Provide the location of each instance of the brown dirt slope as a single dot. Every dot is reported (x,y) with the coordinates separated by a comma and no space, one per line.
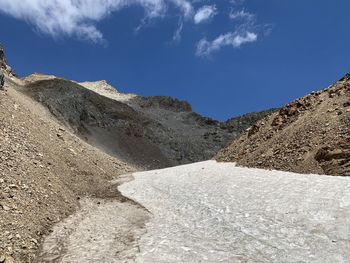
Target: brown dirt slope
(44,169)
(309,135)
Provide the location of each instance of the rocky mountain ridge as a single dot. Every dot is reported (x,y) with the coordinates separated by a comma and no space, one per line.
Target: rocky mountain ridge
(308,135)
(148,132)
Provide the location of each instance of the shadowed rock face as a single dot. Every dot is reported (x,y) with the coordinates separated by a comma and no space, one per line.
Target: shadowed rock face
(309,135)
(110,125)
(149,132)
(2,58)
(2,66)
(2,80)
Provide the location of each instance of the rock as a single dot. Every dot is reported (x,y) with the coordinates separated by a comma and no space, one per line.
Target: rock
(2,80)
(5,207)
(346,104)
(9,259)
(252,130)
(6,259)
(2,58)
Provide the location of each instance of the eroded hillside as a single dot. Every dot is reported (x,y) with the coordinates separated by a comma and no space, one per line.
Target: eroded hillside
(309,135)
(44,169)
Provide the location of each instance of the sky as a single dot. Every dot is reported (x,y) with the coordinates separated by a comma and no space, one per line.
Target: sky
(225,57)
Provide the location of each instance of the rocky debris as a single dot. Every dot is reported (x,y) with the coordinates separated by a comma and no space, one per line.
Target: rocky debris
(309,135)
(335,158)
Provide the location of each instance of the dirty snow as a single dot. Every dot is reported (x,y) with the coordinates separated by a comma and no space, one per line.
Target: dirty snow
(215,212)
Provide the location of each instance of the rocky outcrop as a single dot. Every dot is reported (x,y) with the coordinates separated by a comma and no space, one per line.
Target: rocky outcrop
(308,135)
(241,123)
(2,58)
(2,67)
(335,159)
(166,103)
(2,80)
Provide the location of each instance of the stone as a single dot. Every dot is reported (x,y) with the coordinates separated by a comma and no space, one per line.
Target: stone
(9,259)
(2,80)
(5,207)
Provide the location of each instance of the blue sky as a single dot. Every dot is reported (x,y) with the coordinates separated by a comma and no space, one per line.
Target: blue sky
(225,57)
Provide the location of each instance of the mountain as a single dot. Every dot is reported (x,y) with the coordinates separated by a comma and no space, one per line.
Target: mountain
(309,135)
(147,132)
(61,141)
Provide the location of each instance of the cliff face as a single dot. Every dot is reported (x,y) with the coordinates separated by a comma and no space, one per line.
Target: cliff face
(309,135)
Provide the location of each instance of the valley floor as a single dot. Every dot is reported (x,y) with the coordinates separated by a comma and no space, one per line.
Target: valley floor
(212,212)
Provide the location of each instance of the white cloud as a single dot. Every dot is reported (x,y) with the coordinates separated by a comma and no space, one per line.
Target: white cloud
(242,15)
(234,39)
(205,13)
(78,17)
(237,2)
(177,35)
(246,31)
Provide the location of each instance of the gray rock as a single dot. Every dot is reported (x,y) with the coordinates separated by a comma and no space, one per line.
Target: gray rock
(2,80)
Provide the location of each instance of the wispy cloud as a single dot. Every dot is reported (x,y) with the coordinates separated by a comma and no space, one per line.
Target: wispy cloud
(246,30)
(205,13)
(78,17)
(177,34)
(242,15)
(237,2)
(234,39)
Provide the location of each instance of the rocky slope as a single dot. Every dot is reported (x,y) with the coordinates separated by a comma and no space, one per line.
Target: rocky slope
(309,135)
(148,132)
(44,169)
